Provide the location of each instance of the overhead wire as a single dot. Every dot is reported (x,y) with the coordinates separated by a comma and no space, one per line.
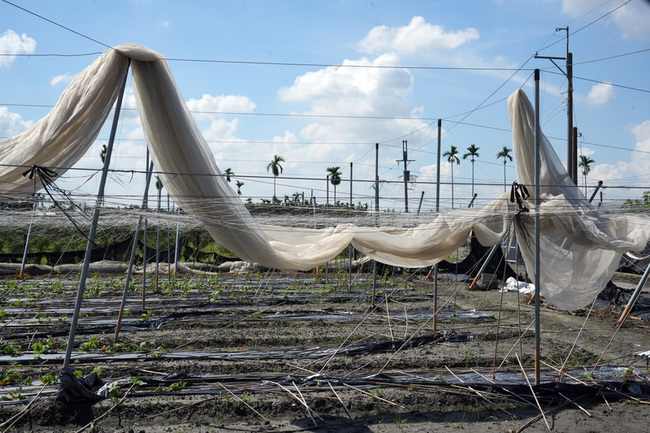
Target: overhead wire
(57,24)
(385,142)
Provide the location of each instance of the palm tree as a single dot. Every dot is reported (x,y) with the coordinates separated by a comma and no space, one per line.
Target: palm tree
(228,172)
(585,162)
(505,154)
(472,151)
(335,178)
(275,168)
(452,156)
(239,184)
(102,154)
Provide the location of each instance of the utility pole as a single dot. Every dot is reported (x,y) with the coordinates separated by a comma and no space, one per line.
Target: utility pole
(327,186)
(377,178)
(351,205)
(407,173)
(572,144)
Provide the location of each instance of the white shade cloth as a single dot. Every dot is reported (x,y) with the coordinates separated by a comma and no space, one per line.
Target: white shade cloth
(580,248)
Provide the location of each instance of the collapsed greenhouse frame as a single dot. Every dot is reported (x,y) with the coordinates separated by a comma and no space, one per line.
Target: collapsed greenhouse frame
(594,242)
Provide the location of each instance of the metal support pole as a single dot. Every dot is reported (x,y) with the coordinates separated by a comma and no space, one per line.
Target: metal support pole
(484,265)
(351,205)
(350,268)
(633,298)
(145,252)
(438,166)
(435,267)
(129,272)
(471,203)
(420,205)
(169,253)
(158,239)
(93,227)
(600,184)
(406,174)
(537,236)
(374,281)
(377,178)
(177,243)
(313,206)
(21,274)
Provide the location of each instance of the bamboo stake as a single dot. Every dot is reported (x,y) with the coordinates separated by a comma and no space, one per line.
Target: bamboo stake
(575,404)
(239,398)
(390,329)
(373,396)
(533,392)
(496,339)
(566,374)
(31,405)
(21,273)
(538,417)
(91,424)
(342,404)
(309,411)
(576,340)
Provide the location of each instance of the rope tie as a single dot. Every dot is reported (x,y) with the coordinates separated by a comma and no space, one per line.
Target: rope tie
(518,194)
(46,176)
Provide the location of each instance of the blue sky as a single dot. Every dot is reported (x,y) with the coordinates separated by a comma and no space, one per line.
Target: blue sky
(308,80)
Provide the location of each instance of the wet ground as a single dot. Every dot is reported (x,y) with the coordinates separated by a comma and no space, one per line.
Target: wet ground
(310,352)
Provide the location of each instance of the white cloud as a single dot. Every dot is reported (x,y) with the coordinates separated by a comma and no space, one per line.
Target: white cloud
(576,8)
(209,107)
(221,129)
(642,134)
(601,93)
(12,123)
(416,38)
(164,24)
(586,151)
(356,88)
(64,78)
(632,18)
(626,172)
(12,42)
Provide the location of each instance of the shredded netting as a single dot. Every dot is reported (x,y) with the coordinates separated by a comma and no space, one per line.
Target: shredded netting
(580,247)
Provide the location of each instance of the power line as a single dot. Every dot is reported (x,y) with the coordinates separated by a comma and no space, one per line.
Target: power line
(57,24)
(49,54)
(587,25)
(613,84)
(637,89)
(616,56)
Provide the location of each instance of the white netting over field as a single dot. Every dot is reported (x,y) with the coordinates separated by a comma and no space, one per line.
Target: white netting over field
(580,247)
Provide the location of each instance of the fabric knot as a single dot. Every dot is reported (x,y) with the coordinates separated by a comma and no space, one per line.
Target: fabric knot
(518,194)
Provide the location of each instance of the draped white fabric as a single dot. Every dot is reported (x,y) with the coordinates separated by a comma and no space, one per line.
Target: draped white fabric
(580,248)
(64,135)
(193,180)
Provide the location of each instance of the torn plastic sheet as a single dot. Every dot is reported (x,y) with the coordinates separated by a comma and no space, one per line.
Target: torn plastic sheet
(315,352)
(107,325)
(513,285)
(612,382)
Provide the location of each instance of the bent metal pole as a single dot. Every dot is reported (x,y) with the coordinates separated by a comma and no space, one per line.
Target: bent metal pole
(93,227)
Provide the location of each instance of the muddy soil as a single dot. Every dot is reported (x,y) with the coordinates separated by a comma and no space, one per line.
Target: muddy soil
(302,353)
